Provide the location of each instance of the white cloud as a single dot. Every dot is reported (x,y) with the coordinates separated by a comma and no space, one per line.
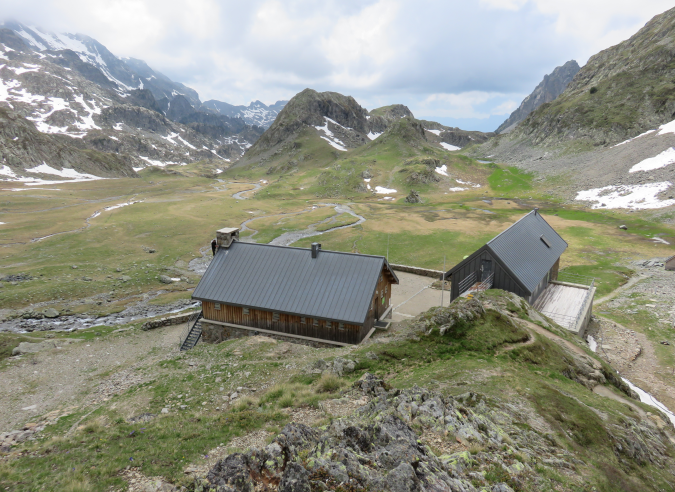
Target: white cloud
(472,104)
(379,51)
(504,4)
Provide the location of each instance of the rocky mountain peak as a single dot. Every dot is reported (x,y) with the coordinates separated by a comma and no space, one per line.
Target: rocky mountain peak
(548,90)
(621,92)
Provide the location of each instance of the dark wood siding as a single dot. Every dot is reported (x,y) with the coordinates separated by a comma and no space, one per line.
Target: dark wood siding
(539,289)
(502,278)
(286,323)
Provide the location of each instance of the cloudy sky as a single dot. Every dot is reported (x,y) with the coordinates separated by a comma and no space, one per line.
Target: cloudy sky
(464,63)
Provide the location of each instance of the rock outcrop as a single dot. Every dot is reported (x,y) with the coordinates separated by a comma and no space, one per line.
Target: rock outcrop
(548,90)
(380,448)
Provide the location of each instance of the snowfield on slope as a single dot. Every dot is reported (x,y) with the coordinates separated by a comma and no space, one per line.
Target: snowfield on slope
(636,197)
(664,159)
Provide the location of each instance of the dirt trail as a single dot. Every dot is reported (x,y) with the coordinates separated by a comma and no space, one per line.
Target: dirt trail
(619,290)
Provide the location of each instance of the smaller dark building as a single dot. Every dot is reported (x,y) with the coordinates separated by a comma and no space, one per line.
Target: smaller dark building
(670,263)
(523,259)
(292,292)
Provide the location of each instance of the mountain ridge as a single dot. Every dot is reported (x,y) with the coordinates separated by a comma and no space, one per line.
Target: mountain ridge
(547,90)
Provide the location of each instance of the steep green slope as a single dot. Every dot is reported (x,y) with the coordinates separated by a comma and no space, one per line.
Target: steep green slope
(621,92)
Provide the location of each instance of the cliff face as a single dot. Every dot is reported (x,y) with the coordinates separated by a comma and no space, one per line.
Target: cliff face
(548,90)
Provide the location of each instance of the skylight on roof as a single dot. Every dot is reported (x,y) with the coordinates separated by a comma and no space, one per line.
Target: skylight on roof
(545,241)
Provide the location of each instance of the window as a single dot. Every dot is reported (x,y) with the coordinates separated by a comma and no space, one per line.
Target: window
(275,316)
(327,324)
(316,322)
(246,311)
(216,306)
(303,320)
(341,326)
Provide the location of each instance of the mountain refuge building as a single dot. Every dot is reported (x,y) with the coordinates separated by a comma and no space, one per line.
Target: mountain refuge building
(670,263)
(294,293)
(525,259)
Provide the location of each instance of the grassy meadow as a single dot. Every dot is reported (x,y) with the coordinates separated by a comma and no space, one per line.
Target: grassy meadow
(87,250)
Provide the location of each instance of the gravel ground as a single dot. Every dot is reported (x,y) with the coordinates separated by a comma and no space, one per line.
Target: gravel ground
(631,352)
(50,380)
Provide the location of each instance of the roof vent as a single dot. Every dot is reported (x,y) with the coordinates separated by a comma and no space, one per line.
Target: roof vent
(316,247)
(545,241)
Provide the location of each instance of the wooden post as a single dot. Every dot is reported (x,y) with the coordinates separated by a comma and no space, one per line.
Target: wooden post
(443,281)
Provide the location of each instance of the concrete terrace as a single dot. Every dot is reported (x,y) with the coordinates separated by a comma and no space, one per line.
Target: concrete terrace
(567,304)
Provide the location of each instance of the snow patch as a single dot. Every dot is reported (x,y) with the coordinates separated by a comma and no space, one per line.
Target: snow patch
(63,173)
(334,143)
(31,68)
(447,146)
(160,163)
(469,183)
(636,197)
(443,170)
(457,189)
(667,128)
(435,132)
(384,191)
(634,138)
(592,344)
(7,171)
(664,159)
(373,136)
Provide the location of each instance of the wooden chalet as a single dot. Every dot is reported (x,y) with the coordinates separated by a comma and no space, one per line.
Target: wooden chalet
(310,294)
(523,259)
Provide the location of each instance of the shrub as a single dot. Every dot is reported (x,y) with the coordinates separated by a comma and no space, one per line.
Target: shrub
(594,90)
(329,383)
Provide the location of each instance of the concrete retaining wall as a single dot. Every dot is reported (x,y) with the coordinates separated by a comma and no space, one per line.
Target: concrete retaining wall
(425,272)
(171,320)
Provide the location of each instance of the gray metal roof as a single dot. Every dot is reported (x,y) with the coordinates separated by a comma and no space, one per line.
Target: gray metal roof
(335,286)
(522,250)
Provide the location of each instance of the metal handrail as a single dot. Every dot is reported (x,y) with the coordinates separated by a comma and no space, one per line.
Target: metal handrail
(484,284)
(467,282)
(192,321)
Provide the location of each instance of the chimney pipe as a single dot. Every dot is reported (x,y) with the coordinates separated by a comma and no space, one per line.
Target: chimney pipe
(316,247)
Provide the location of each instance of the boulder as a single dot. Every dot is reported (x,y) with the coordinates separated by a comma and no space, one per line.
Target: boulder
(343,366)
(165,280)
(51,313)
(413,197)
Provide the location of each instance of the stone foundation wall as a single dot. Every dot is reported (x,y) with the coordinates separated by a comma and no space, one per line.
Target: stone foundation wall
(171,320)
(425,272)
(213,333)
